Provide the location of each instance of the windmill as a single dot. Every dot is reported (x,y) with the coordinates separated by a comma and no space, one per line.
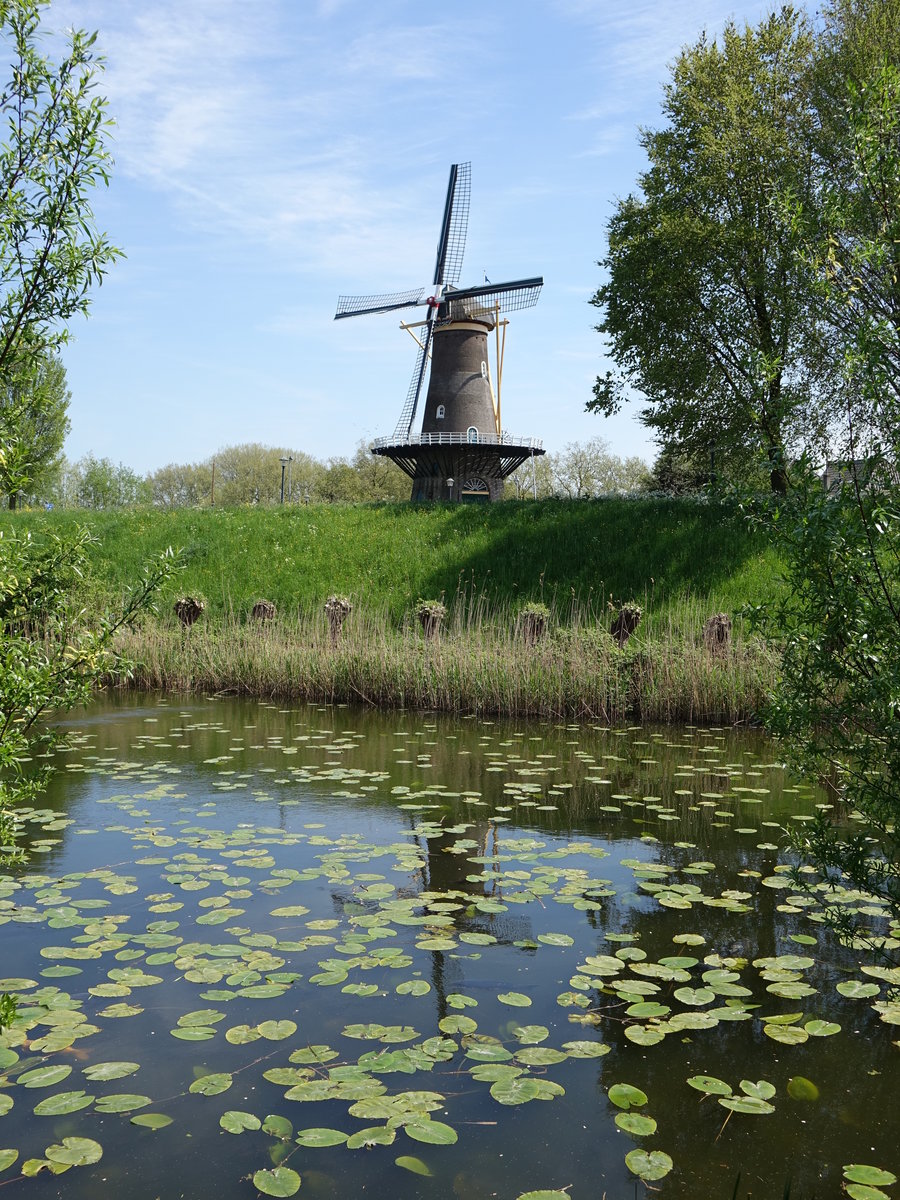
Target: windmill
(462,451)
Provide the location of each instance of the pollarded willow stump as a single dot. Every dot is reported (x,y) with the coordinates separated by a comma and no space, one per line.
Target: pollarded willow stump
(532,624)
(717,633)
(337,609)
(625,623)
(263,611)
(431,615)
(188,609)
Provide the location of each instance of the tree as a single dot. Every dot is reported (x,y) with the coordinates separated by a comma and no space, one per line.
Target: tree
(34,421)
(53,154)
(589,469)
(708,308)
(100,483)
(837,705)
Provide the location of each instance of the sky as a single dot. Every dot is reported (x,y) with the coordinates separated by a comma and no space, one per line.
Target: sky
(272,155)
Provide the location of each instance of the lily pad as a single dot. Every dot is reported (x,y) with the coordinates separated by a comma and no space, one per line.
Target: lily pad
(317,1138)
(649,1164)
(235,1121)
(872,1176)
(410,1163)
(151,1120)
(623,1095)
(75,1152)
(280,1181)
(636,1124)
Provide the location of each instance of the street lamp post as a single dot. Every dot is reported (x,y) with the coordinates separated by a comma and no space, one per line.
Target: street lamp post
(450,483)
(284,462)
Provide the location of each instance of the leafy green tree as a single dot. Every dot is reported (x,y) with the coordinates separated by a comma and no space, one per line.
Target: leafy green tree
(34,421)
(100,483)
(837,706)
(53,153)
(707,308)
(181,485)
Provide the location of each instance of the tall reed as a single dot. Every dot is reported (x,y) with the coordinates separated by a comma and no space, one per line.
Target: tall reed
(479,664)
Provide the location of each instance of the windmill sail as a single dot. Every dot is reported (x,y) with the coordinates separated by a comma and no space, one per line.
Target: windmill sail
(404,424)
(359,306)
(452,241)
(493,297)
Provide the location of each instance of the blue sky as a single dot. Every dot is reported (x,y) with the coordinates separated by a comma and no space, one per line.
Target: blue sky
(271,155)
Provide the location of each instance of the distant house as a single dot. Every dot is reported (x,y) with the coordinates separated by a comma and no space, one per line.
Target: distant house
(872,474)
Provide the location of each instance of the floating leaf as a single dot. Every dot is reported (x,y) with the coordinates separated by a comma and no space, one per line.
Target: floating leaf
(110,1070)
(316,1138)
(121,1102)
(746,1104)
(280,1181)
(872,1176)
(45,1076)
(277,1031)
(623,1095)
(75,1152)
(801,1088)
(151,1120)
(788,1035)
(435,1133)
(514,999)
(211,1085)
(410,1163)
(709,1085)
(235,1121)
(636,1124)
(376,1135)
(278,1126)
(62,1104)
(7,1158)
(649,1164)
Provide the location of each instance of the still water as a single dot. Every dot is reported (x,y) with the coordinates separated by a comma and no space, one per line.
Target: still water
(258,948)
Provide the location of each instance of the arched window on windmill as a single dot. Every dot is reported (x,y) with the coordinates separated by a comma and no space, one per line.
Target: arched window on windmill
(439,415)
(471,434)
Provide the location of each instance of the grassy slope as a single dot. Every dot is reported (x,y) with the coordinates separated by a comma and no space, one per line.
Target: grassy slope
(659,552)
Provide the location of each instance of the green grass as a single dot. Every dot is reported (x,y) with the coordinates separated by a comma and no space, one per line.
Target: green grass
(665,553)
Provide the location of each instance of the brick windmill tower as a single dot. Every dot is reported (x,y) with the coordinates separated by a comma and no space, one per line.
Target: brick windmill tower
(462,451)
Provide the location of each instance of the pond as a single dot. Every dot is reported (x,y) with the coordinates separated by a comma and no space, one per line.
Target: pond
(259,947)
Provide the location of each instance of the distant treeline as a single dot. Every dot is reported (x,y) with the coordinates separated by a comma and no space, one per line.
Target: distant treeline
(252,474)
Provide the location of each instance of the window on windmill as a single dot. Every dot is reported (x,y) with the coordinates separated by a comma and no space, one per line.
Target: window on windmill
(471,434)
(440,412)
(483,369)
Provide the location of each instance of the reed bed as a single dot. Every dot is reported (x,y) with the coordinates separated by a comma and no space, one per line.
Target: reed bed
(479,663)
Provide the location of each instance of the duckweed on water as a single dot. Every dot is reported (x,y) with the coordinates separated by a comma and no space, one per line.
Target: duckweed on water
(448,975)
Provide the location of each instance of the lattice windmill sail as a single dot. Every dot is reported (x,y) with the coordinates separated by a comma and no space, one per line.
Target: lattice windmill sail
(462,451)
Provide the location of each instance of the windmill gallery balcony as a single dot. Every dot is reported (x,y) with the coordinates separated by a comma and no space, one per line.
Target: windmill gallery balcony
(473,464)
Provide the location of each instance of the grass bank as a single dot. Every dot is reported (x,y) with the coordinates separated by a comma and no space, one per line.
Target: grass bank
(479,664)
(657,551)
(680,560)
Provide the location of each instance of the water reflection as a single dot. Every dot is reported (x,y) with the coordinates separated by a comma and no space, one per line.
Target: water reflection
(326,849)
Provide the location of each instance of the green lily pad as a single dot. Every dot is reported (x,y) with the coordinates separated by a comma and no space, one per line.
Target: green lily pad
(7,1158)
(788,1035)
(623,1095)
(110,1070)
(801,1088)
(435,1133)
(747,1104)
(872,1176)
(121,1102)
(636,1124)
(410,1163)
(235,1121)
(317,1138)
(514,999)
(280,1181)
(709,1085)
(63,1103)
(649,1164)
(45,1076)
(211,1085)
(75,1152)
(375,1135)
(151,1120)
